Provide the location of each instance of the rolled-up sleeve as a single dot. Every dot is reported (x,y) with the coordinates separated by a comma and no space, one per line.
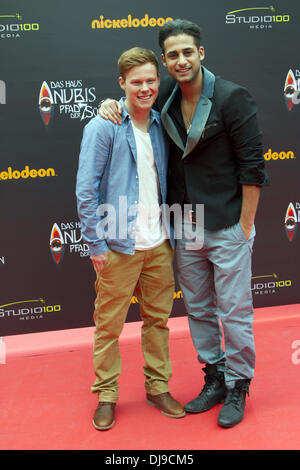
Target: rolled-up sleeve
(240,117)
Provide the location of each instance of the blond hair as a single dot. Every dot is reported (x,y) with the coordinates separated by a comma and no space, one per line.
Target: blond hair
(136,56)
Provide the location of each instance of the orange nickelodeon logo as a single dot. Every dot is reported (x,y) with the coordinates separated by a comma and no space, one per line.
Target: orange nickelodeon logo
(128,22)
(270,155)
(26,173)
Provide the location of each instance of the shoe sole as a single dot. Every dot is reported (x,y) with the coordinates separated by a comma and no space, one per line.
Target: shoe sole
(230,425)
(103,428)
(227,426)
(206,409)
(166,414)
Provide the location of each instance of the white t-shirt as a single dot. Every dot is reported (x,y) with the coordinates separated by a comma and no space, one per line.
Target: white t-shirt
(149,229)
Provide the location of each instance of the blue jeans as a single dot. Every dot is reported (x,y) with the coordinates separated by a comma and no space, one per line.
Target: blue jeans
(216,284)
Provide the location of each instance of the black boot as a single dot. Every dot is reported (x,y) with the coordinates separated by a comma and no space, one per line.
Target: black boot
(213,392)
(232,412)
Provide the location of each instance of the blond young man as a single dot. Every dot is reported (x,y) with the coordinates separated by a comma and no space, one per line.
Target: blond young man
(121,184)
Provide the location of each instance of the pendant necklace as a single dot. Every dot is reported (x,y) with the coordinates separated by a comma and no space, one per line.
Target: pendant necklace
(187,119)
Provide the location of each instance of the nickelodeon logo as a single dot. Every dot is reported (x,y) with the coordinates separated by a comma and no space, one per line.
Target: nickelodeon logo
(11,174)
(176,295)
(129,22)
(269,155)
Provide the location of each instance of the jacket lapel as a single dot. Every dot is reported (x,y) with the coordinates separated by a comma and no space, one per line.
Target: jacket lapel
(198,124)
(200,117)
(167,121)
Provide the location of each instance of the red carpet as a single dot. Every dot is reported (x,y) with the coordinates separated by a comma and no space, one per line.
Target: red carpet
(45,399)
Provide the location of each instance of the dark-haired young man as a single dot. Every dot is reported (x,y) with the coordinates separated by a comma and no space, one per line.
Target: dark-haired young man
(216,159)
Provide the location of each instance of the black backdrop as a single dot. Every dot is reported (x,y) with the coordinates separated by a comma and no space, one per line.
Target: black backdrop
(60,57)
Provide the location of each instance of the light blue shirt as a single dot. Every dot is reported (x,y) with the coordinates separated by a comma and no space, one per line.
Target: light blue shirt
(108,175)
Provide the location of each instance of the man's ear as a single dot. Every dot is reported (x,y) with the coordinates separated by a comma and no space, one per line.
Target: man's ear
(122,83)
(201,52)
(163,60)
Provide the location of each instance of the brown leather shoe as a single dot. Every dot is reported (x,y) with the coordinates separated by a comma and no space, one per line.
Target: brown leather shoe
(104,417)
(166,404)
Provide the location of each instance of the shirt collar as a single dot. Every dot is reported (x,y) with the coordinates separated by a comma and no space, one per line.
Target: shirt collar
(154,115)
(207,89)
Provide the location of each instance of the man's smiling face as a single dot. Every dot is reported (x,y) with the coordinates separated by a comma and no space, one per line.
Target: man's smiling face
(182,57)
(141,84)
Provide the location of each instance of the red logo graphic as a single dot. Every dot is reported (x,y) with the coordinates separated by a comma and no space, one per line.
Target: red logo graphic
(46,104)
(56,244)
(290,88)
(290,222)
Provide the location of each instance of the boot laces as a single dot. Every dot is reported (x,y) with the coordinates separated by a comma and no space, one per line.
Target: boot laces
(211,379)
(235,395)
(209,382)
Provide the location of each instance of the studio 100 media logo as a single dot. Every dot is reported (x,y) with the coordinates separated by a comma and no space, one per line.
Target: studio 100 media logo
(257,18)
(28,310)
(13,26)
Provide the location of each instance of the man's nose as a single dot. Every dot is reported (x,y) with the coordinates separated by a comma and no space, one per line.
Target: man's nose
(145,86)
(181,59)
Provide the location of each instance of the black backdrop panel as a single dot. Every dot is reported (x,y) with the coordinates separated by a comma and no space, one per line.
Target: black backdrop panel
(58,60)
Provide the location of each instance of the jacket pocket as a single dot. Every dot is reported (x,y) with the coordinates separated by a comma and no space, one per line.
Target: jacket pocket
(209,126)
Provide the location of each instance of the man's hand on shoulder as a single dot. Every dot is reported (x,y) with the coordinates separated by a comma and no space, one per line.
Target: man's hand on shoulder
(110,109)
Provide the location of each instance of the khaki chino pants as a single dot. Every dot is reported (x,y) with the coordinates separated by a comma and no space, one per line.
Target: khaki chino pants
(150,274)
